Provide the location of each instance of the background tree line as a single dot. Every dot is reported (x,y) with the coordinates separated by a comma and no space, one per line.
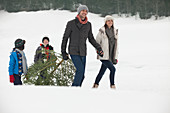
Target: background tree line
(145,8)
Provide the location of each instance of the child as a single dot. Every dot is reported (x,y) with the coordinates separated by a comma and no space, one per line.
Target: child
(42,52)
(17,63)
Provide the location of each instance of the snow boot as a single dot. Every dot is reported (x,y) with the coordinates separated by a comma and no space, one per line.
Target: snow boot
(112,86)
(95,86)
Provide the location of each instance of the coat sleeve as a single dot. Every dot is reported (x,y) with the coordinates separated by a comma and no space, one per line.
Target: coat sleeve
(51,48)
(92,40)
(36,56)
(117,45)
(65,37)
(11,65)
(98,38)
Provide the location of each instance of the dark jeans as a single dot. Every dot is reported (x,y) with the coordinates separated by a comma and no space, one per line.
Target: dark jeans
(106,64)
(80,64)
(17,80)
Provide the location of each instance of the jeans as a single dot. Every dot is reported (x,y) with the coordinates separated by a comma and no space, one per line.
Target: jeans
(106,64)
(80,64)
(17,79)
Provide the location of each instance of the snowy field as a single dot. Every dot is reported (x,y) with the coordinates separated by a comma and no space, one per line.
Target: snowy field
(142,76)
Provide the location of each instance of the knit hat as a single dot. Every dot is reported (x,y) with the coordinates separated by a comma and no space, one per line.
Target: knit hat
(46,39)
(82,7)
(108,17)
(19,42)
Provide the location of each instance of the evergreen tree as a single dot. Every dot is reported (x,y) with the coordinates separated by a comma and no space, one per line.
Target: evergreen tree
(145,8)
(55,71)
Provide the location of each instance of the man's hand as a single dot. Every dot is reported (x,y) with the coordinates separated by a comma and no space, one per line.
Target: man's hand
(65,56)
(100,52)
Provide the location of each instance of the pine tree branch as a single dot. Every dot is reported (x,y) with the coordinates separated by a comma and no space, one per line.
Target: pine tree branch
(57,66)
(47,66)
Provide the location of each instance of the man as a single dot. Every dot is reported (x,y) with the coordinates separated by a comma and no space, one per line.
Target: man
(78,30)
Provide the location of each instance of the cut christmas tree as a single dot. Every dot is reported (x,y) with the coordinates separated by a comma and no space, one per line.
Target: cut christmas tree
(55,71)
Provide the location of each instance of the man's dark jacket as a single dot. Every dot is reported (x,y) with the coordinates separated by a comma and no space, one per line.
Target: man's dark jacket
(78,34)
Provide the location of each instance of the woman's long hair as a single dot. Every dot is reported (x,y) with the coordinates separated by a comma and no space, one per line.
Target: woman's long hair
(105,25)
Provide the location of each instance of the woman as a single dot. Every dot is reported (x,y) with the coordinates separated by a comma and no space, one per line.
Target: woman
(107,38)
(17,63)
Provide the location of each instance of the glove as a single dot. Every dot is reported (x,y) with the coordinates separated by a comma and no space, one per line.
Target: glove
(11,78)
(100,52)
(115,61)
(65,56)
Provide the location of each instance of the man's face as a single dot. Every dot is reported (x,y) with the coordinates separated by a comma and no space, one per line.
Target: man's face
(83,14)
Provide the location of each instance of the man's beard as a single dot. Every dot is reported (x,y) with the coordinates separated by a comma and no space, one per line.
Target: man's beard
(82,17)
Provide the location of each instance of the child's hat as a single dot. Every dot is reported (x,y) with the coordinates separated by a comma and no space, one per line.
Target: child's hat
(19,42)
(46,39)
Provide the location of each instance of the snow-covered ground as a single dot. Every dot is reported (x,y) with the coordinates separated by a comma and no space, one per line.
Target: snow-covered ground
(142,77)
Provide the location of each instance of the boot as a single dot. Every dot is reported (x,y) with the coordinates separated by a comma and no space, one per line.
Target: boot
(112,86)
(95,86)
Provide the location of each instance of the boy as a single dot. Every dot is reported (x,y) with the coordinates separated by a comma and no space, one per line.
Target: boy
(17,63)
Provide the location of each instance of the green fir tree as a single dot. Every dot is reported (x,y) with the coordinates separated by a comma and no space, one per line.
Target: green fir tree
(54,72)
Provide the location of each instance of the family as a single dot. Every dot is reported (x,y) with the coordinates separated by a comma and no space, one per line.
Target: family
(77,31)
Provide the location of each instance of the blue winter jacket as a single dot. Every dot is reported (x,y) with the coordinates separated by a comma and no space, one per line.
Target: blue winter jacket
(13,63)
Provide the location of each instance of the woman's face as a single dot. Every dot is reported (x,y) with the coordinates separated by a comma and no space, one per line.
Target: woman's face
(109,23)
